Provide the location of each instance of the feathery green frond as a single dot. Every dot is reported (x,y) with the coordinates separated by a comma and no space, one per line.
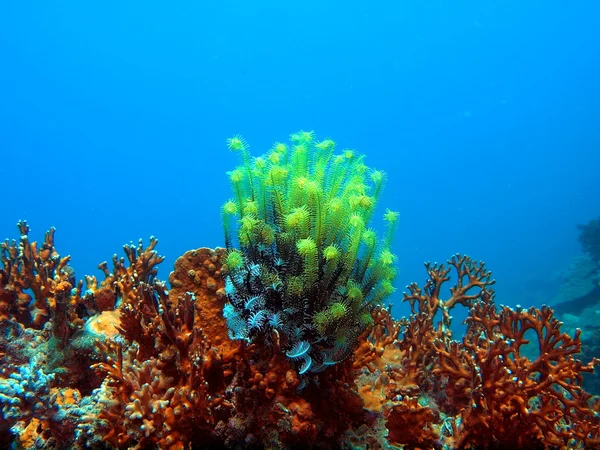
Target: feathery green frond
(299,219)
(234,259)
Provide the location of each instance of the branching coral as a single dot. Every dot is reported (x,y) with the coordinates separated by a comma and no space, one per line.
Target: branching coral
(281,342)
(120,284)
(144,406)
(431,319)
(379,345)
(489,389)
(26,393)
(46,318)
(39,274)
(308,270)
(168,385)
(172,385)
(510,398)
(171,376)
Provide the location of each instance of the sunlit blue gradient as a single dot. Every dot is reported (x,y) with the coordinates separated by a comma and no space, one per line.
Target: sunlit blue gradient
(113,120)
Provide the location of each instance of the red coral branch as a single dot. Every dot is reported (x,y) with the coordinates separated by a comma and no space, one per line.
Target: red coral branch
(514,394)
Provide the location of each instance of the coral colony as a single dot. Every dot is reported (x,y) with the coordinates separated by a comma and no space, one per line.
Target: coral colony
(282,339)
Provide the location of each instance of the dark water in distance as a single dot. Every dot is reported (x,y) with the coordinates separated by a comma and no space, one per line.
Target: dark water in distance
(113,119)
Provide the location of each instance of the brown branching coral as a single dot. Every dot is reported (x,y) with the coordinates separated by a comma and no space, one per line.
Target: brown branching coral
(412,424)
(511,398)
(31,272)
(169,345)
(40,318)
(379,343)
(171,377)
(231,392)
(120,284)
(487,390)
(473,282)
(425,328)
(144,406)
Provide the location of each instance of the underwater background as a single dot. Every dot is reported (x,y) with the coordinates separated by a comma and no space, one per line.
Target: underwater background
(123,123)
(114,116)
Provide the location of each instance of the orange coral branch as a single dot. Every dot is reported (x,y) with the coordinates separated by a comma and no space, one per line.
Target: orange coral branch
(510,398)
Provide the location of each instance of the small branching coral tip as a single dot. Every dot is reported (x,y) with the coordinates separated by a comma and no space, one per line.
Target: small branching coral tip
(391,216)
(303,220)
(236,143)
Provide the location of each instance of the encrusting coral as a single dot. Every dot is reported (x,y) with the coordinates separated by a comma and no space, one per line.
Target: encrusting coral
(134,362)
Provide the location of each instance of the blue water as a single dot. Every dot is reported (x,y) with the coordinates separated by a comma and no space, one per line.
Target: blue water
(485,115)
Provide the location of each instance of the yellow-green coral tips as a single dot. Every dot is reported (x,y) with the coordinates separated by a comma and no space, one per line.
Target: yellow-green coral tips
(377,176)
(338,159)
(236,143)
(366,319)
(357,186)
(387,258)
(387,287)
(301,182)
(312,187)
(356,220)
(327,144)
(369,237)
(234,260)
(298,217)
(364,201)
(337,310)
(355,294)
(236,175)
(275,157)
(260,163)
(250,207)
(361,168)
(280,147)
(248,224)
(331,253)
(276,176)
(306,136)
(306,247)
(391,216)
(230,208)
(334,206)
(320,321)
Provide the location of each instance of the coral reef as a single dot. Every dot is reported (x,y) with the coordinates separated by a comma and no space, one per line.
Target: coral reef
(233,352)
(167,374)
(488,390)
